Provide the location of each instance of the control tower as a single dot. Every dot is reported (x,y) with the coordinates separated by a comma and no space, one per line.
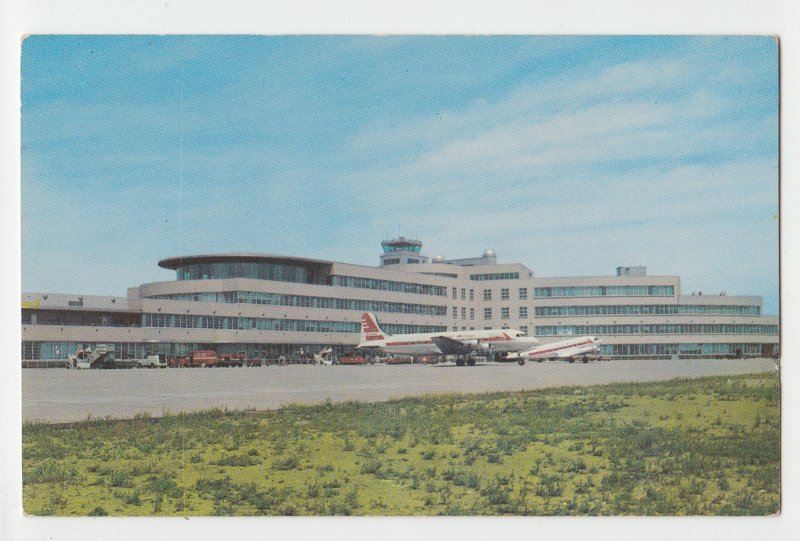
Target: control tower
(401,251)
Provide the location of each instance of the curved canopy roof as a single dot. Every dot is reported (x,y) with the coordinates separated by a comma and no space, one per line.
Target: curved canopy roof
(173,263)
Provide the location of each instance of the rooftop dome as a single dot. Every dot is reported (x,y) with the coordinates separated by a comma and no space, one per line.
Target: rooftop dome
(438,258)
(489,253)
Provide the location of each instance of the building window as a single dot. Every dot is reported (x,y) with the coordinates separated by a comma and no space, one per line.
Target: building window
(523,312)
(463,313)
(463,294)
(504,294)
(472,294)
(487,294)
(455,312)
(487,313)
(504,313)
(472,313)
(523,329)
(454,290)
(523,293)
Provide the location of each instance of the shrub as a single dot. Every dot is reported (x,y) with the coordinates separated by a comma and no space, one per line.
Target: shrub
(549,486)
(240,461)
(371,466)
(291,462)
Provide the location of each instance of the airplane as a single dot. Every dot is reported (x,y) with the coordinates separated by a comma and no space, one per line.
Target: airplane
(570,349)
(464,344)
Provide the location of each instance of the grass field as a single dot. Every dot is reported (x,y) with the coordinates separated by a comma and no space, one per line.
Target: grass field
(686,447)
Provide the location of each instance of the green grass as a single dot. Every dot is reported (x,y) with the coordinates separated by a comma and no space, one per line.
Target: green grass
(686,447)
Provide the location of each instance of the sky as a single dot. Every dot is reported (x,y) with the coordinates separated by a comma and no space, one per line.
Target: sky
(571,155)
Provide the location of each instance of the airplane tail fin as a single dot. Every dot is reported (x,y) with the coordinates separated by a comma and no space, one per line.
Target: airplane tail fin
(370,330)
(323,357)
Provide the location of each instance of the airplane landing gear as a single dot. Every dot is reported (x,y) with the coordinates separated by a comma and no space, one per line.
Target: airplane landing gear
(521,361)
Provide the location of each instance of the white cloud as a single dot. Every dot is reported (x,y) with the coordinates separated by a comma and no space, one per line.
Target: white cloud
(661,162)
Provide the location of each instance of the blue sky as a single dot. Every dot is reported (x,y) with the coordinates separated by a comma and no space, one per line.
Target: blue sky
(572,155)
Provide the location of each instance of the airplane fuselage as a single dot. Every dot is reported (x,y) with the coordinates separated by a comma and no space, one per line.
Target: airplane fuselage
(561,349)
(495,341)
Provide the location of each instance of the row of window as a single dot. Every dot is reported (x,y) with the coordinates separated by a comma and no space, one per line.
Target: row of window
(280,272)
(305,301)
(396,261)
(647,309)
(494,276)
(80,318)
(666,328)
(444,274)
(60,350)
(505,294)
(463,313)
(454,293)
(606,291)
(32,350)
(505,312)
(388,285)
(650,350)
(187,321)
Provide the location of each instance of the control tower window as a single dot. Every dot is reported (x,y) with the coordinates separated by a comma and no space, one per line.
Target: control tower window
(401,244)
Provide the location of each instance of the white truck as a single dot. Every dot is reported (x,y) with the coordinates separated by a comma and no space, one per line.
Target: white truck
(153,360)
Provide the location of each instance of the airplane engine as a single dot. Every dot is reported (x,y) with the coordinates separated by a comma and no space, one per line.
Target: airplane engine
(484,347)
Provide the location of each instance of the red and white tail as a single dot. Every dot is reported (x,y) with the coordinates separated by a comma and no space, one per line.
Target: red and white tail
(370,330)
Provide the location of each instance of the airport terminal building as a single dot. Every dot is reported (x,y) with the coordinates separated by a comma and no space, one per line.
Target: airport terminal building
(272,305)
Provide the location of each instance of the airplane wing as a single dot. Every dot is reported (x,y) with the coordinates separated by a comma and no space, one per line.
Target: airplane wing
(448,346)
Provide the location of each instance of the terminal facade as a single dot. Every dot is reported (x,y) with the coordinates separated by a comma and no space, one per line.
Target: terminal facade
(272,305)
